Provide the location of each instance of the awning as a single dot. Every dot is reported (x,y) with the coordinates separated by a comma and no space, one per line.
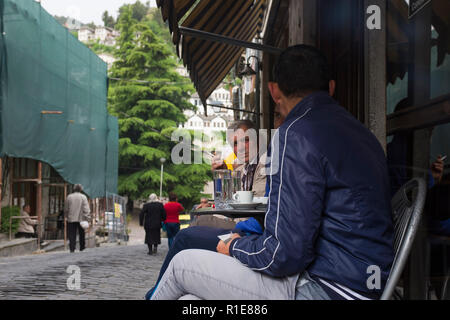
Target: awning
(209,62)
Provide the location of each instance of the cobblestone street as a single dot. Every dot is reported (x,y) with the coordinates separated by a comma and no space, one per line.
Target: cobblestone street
(110,272)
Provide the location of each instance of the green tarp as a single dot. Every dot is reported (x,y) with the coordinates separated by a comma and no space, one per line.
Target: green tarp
(43,67)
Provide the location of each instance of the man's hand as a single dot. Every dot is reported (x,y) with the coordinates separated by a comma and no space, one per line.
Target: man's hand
(217,163)
(437,169)
(224,248)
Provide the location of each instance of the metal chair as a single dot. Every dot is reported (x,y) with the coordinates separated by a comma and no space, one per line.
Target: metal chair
(407,208)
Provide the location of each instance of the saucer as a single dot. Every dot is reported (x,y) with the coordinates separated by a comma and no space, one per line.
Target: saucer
(251,205)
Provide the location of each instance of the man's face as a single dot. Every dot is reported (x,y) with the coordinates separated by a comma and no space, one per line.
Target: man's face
(241,145)
(204,201)
(27,209)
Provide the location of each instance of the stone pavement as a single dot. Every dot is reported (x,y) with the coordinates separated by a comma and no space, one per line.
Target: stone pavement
(109,272)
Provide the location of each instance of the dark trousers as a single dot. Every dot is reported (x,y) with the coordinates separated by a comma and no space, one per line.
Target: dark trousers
(152,248)
(72,228)
(26,235)
(172,230)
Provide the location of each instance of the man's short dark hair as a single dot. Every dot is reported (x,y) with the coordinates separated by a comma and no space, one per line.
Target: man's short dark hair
(172,196)
(301,70)
(240,124)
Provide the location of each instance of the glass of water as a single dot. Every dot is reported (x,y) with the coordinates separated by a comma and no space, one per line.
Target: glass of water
(223,188)
(237,181)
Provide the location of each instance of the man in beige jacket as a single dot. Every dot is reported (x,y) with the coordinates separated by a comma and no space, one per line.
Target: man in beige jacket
(76,209)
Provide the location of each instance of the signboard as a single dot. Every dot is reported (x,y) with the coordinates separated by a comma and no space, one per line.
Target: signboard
(415,6)
(117,210)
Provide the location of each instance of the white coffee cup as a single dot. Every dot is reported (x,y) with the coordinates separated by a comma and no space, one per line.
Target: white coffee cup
(243,197)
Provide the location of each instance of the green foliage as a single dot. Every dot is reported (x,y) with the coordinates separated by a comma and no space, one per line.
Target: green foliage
(149,102)
(156,23)
(99,48)
(138,10)
(8,212)
(108,20)
(91,25)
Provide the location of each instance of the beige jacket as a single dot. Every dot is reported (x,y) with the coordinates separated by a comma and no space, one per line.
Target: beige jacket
(26,225)
(76,208)
(259,177)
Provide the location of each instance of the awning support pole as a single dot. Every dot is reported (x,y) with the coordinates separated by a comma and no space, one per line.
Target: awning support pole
(223,39)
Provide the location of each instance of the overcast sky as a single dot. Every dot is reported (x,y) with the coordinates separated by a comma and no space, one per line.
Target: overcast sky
(86,11)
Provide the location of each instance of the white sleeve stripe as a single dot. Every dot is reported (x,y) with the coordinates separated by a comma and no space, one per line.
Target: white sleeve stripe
(336,290)
(353,293)
(250,254)
(279,197)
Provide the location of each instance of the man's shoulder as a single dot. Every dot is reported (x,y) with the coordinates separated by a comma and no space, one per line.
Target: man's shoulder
(76,195)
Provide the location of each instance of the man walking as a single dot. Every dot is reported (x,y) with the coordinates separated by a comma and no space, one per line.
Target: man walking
(76,210)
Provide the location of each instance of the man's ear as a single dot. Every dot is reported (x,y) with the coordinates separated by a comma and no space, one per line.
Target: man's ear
(275,92)
(332,87)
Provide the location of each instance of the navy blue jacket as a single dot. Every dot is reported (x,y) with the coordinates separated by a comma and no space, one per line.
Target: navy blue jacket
(329,208)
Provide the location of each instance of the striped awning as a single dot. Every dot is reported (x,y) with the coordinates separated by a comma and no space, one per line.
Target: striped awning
(209,62)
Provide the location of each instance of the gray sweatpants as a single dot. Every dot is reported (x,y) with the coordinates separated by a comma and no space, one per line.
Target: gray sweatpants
(209,275)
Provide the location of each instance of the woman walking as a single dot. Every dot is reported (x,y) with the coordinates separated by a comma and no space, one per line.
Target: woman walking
(151,217)
(173,210)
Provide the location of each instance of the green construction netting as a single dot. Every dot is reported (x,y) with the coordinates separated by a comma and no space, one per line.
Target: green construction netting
(45,68)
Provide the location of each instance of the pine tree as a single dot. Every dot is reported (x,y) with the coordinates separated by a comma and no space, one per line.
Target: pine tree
(149,101)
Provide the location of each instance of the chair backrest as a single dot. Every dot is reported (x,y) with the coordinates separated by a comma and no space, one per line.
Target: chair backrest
(407,208)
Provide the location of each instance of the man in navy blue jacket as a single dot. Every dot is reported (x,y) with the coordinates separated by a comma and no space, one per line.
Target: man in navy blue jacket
(328,227)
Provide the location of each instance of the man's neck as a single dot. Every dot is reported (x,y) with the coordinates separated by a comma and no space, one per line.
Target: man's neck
(290,104)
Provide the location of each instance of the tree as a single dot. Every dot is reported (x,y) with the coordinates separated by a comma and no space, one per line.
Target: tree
(108,20)
(139,10)
(91,25)
(156,23)
(149,102)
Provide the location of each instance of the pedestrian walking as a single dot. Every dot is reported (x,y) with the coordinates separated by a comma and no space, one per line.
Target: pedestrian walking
(151,217)
(76,210)
(173,210)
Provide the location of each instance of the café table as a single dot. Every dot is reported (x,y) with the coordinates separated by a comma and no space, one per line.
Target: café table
(231,213)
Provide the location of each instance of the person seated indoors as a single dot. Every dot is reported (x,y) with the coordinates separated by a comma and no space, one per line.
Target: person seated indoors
(26,226)
(328,220)
(398,151)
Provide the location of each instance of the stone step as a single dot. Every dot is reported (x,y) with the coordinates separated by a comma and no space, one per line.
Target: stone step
(17,247)
(4,237)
